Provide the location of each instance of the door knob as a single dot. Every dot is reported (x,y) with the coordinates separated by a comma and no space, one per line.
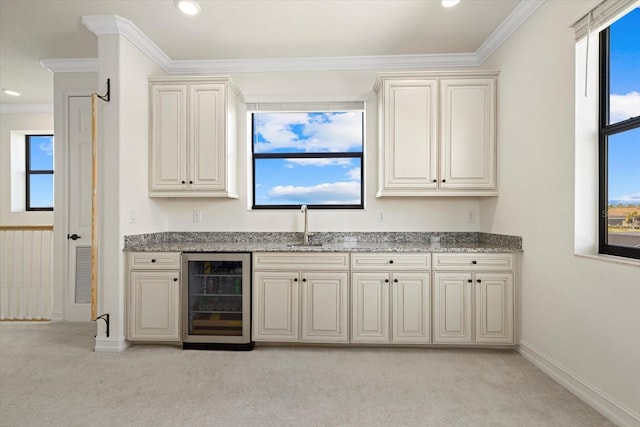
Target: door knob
(73,236)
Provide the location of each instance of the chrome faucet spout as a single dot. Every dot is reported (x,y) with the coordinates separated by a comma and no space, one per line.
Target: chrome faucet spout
(305,235)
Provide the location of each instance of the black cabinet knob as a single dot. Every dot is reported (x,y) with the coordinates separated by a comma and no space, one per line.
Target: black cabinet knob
(175,279)
(474,262)
(390,261)
(153,260)
(295,280)
(469,281)
(479,281)
(444,180)
(435,180)
(304,280)
(386,280)
(395,280)
(184,182)
(190,182)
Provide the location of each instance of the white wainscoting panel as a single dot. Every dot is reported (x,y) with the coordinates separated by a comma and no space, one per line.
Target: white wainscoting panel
(26,273)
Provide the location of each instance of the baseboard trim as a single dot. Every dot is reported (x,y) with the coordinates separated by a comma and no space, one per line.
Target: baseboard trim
(587,392)
(57,316)
(111,345)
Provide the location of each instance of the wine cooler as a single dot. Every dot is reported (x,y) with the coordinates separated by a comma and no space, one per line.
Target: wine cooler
(216,301)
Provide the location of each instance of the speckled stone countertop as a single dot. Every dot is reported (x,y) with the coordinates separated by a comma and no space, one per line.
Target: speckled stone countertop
(322,242)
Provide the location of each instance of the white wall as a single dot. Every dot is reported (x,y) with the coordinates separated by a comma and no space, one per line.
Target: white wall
(22,123)
(581,315)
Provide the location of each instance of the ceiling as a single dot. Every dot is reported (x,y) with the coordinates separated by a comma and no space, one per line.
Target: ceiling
(32,30)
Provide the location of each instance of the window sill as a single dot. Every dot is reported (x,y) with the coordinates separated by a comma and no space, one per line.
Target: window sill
(612,259)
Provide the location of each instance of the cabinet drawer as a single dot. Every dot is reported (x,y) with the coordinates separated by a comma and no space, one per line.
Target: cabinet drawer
(300,261)
(390,261)
(472,261)
(154,260)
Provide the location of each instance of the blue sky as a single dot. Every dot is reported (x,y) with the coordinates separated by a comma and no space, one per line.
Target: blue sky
(624,149)
(295,181)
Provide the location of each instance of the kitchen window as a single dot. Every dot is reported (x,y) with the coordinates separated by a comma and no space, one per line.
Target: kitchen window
(39,172)
(312,158)
(619,137)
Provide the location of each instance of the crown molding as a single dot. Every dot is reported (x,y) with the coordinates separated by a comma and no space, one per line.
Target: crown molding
(516,18)
(25,108)
(112,24)
(71,65)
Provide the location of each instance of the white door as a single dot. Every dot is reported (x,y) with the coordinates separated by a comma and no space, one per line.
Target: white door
(324,307)
(370,307)
(411,311)
(452,308)
(78,285)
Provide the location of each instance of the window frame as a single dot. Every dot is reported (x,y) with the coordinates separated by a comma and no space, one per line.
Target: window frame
(605,130)
(313,155)
(29,172)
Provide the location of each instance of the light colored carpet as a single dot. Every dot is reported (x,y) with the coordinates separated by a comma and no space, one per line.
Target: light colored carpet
(50,376)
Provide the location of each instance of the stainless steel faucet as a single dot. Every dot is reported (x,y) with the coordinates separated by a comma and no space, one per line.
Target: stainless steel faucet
(305,235)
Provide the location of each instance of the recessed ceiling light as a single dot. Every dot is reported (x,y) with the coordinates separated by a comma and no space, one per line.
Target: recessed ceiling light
(188,7)
(450,3)
(11,92)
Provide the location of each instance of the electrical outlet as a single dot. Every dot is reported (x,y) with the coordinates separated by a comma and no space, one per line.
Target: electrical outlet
(471,215)
(197,215)
(380,216)
(132,216)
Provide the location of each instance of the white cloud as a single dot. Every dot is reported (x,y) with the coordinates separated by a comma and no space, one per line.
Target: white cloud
(623,107)
(321,162)
(46,148)
(306,132)
(327,193)
(628,198)
(354,174)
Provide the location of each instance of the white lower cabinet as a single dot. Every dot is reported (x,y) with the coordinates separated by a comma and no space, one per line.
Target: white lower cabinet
(390,306)
(153,297)
(300,304)
(473,307)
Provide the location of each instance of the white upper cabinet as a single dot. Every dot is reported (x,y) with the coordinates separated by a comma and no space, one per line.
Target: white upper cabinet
(437,134)
(193,137)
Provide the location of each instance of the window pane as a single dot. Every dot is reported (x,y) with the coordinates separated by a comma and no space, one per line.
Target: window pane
(624,189)
(624,63)
(330,181)
(41,152)
(332,132)
(41,191)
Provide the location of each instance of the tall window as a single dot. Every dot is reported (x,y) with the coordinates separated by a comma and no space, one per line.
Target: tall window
(39,172)
(308,158)
(620,137)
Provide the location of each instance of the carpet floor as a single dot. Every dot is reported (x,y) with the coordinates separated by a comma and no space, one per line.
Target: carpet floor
(50,376)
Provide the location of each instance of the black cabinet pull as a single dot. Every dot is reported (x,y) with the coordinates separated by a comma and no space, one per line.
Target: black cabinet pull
(474,262)
(190,182)
(395,280)
(435,180)
(304,280)
(153,260)
(479,281)
(386,280)
(184,182)
(175,279)
(73,236)
(295,280)
(444,180)
(469,281)
(391,261)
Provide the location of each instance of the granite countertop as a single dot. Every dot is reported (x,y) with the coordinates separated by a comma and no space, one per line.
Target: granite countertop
(324,242)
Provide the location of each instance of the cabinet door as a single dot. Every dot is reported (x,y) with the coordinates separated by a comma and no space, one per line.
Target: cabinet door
(411,308)
(207,137)
(370,307)
(452,308)
(468,135)
(494,308)
(324,307)
(154,306)
(275,306)
(167,171)
(408,151)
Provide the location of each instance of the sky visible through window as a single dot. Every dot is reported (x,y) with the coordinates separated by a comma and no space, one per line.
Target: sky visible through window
(41,159)
(624,149)
(286,175)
